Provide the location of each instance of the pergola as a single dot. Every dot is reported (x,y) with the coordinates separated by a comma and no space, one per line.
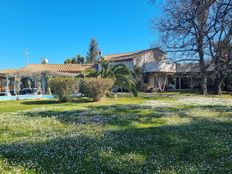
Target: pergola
(6,75)
(38,73)
(161,78)
(38,76)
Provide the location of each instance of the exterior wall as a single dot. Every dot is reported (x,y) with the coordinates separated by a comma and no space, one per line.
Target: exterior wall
(154,61)
(128,63)
(140,60)
(148,57)
(150,61)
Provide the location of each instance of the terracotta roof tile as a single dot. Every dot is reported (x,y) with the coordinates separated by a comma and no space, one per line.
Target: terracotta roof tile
(8,71)
(64,68)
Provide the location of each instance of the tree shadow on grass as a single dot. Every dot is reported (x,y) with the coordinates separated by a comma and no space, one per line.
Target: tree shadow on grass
(196,147)
(119,115)
(127,115)
(200,145)
(52,102)
(92,115)
(41,102)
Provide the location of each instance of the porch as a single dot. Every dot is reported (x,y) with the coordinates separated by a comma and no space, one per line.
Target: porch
(7,85)
(161,81)
(20,85)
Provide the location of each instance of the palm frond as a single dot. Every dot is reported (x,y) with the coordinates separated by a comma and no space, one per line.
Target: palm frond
(121,75)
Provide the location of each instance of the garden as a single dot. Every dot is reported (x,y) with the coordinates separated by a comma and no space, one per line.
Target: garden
(172,132)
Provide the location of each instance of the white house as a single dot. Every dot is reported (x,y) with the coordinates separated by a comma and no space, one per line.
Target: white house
(157,71)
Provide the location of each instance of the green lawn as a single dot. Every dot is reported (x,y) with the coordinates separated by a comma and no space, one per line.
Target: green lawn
(154,133)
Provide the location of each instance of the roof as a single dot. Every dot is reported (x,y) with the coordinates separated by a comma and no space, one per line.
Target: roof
(130,55)
(61,68)
(188,67)
(8,71)
(191,68)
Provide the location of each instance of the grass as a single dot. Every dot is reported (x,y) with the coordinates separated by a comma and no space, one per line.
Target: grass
(154,133)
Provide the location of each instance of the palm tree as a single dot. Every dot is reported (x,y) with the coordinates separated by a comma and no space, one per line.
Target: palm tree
(138,75)
(121,75)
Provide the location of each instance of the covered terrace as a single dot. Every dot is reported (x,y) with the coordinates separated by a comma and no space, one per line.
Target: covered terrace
(34,77)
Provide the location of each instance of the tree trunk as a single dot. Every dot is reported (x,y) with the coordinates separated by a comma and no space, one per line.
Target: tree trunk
(203,68)
(204,84)
(218,86)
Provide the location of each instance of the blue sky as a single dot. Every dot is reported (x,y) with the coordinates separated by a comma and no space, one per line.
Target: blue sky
(58,29)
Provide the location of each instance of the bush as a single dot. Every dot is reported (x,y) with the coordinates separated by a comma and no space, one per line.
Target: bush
(95,88)
(62,87)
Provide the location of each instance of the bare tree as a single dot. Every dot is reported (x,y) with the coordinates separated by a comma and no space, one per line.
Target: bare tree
(189,28)
(223,64)
(220,41)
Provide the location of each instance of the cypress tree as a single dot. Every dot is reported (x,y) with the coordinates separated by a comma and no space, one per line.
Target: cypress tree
(93,51)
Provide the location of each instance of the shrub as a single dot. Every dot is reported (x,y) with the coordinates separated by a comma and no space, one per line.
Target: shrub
(95,88)
(62,87)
